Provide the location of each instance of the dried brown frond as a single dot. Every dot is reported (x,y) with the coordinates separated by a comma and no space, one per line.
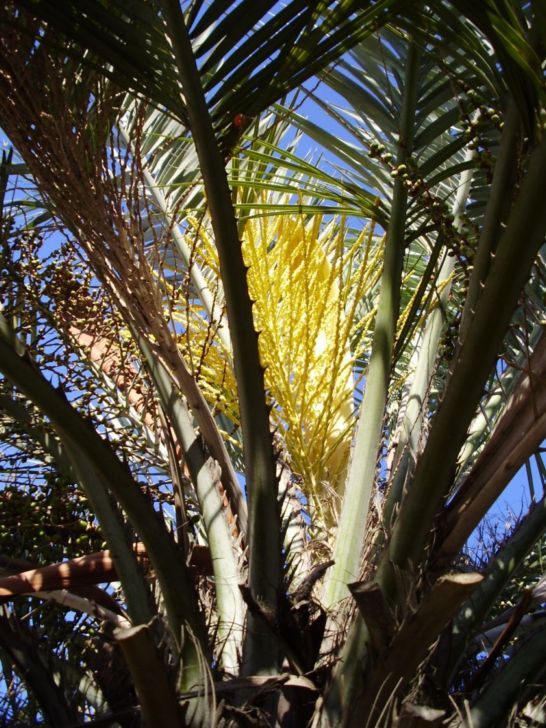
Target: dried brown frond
(94,182)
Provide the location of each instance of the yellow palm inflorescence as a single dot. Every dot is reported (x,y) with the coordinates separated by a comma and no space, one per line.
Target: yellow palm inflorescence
(306,290)
(308,286)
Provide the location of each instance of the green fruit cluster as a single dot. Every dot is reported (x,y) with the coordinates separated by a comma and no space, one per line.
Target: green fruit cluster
(47,522)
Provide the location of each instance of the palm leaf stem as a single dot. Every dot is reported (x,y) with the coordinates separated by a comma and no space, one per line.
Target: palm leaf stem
(26,655)
(157,697)
(77,603)
(499,573)
(210,433)
(73,463)
(397,665)
(518,433)
(264,519)
(502,190)
(347,677)
(410,431)
(526,666)
(206,480)
(361,478)
(527,222)
(422,298)
(88,687)
(127,568)
(164,555)
(492,409)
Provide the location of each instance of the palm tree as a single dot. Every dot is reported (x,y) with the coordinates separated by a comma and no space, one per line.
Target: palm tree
(190,314)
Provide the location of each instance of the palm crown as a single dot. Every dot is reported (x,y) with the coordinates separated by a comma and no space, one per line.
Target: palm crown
(272,396)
